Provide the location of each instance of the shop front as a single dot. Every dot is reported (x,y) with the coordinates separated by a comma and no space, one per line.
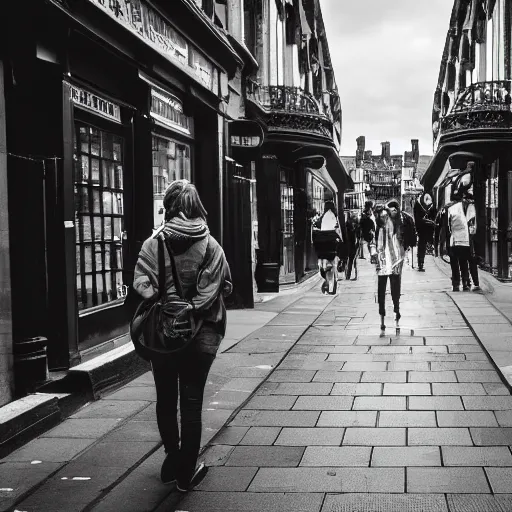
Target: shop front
(490,166)
(111,134)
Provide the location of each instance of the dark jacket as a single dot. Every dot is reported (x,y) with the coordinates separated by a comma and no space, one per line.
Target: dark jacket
(424,219)
(367,226)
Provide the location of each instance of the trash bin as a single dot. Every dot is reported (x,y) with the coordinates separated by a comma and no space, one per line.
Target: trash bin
(30,364)
(267,277)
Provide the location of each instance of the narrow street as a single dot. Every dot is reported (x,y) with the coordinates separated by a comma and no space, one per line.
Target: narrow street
(348,421)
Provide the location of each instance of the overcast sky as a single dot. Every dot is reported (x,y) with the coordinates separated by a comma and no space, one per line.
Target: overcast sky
(386,56)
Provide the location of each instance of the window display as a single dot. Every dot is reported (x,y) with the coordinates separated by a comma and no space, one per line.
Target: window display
(171,161)
(98,216)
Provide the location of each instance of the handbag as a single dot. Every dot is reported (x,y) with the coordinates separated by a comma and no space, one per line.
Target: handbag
(163,325)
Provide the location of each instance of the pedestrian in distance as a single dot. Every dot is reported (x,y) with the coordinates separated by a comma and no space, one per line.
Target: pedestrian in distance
(204,278)
(353,241)
(394,234)
(424,219)
(455,230)
(326,240)
(367,224)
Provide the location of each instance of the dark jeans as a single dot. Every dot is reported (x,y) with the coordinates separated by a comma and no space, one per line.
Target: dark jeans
(395,283)
(187,372)
(352,263)
(462,262)
(422,250)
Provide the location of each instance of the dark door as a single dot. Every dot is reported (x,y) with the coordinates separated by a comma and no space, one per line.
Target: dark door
(238,233)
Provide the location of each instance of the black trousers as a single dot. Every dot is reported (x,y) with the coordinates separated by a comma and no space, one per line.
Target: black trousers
(352,261)
(422,250)
(461,262)
(186,372)
(395,283)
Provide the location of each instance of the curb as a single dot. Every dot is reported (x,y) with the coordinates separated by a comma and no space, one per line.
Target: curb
(26,418)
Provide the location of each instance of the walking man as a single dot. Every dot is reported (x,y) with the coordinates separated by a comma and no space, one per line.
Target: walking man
(424,219)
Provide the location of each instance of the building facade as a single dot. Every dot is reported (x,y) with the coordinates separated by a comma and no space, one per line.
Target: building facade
(472,122)
(103,103)
(293,96)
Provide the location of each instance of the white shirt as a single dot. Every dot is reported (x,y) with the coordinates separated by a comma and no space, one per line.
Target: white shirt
(458,223)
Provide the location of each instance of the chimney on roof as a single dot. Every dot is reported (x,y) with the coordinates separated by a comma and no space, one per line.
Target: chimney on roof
(386,150)
(368,155)
(415,150)
(361,142)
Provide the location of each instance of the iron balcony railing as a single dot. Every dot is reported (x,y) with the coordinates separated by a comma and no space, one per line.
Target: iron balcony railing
(481,105)
(484,96)
(282,98)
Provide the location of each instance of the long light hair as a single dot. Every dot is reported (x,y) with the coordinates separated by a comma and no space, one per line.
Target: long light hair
(181,196)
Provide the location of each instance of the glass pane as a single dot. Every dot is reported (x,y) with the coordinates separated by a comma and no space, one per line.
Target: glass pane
(108,264)
(96,202)
(108,286)
(99,258)
(107,228)
(78,259)
(89,291)
(117,229)
(118,183)
(83,199)
(88,258)
(86,229)
(118,204)
(108,174)
(107,203)
(81,305)
(119,257)
(82,169)
(98,231)
(118,147)
(119,284)
(84,139)
(107,145)
(95,142)
(95,171)
(99,289)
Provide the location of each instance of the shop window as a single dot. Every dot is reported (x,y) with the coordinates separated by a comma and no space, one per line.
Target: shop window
(99,216)
(171,161)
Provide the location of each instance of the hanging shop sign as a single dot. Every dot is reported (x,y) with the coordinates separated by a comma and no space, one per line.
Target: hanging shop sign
(167,109)
(94,103)
(245,134)
(149,25)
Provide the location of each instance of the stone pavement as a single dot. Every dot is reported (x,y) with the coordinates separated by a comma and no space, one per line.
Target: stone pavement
(353,422)
(341,419)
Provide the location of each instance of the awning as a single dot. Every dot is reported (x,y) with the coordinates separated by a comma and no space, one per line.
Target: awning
(289,150)
(323,175)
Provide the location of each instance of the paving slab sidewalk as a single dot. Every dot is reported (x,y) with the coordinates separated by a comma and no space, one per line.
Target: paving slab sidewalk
(490,317)
(97,448)
(427,428)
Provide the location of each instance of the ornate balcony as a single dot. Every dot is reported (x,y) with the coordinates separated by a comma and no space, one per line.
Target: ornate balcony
(482,105)
(290,109)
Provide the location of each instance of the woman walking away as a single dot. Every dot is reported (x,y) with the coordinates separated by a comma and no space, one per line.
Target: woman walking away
(326,240)
(393,236)
(424,218)
(204,274)
(353,241)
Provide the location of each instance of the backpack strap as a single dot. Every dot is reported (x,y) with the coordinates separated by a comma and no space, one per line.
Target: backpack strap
(162,289)
(175,276)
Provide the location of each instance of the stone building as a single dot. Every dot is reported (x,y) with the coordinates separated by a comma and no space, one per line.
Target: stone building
(106,103)
(472,122)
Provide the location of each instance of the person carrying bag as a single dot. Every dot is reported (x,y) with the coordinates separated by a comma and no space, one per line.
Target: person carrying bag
(182,275)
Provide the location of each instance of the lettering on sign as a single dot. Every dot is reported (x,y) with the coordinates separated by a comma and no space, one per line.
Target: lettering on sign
(245,142)
(147,24)
(168,109)
(94,103)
